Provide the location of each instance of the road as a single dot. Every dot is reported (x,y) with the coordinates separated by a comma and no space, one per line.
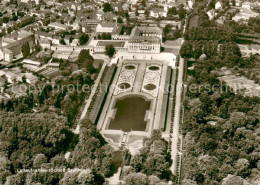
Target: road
(175,133)
(178,105)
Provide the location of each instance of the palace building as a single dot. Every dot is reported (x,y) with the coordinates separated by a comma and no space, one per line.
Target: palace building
(147,32)
(143,44)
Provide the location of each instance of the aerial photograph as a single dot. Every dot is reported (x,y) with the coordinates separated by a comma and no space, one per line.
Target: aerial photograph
(129,92)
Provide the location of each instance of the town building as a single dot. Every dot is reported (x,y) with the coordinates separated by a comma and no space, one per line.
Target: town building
(106,27)
(159,12)
(58,26)
(11,47)
(219,5)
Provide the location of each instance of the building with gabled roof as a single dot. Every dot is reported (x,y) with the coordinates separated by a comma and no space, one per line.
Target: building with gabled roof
(106,27)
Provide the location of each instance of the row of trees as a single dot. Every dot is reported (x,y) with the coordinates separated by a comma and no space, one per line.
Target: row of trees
(104,36)
(226,54)
(209,33)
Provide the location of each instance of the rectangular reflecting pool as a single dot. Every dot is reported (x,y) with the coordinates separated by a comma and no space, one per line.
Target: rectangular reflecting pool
(130,114)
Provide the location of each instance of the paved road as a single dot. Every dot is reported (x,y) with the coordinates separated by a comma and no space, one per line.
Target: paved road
(175,134)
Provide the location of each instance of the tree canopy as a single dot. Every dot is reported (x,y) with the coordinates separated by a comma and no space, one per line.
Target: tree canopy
(26,49)
(110,50)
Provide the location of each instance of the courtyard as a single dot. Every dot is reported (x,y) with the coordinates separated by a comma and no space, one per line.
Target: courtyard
(115,44)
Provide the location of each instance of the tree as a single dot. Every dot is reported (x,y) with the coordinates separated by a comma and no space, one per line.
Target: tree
(136,13)
(143,3)
(4,163)
(212,4)
(167,29)
(186,49)
(9,30)
(110,50)
(6,19)
(85,60)
(24,79)
(104,36)
(136,163)
(26,49)
(119,20)
(147,13)
(15,18)
(181,11)
(231,179)
(172,11)
(38,160)
(86,177)
(136,179)
(70,178)
(62,41)
(83,39)
(107,7)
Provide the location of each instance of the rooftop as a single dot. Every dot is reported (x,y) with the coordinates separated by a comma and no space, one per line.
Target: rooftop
(111,25)
(137,31)
(150,40)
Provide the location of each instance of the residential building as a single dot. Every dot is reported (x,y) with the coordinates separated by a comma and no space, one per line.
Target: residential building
(158,12)
(211,14)
(219,5)
(58,26)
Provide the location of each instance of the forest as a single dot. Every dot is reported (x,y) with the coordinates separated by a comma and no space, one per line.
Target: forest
(36,132)
(151,166)
(221,129)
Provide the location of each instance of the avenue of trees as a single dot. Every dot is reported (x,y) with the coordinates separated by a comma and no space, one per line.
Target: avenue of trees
(226,54)
(209,33)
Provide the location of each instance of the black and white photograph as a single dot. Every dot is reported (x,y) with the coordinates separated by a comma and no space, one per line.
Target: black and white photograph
(129,92)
